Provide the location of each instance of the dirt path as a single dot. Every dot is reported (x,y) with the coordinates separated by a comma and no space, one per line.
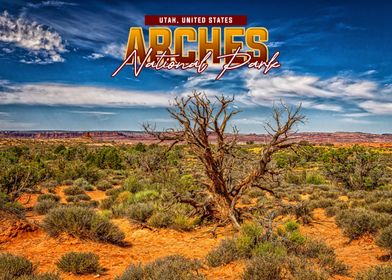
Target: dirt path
(359,254)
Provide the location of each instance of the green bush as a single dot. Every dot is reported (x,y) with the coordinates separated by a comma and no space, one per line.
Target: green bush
(140,211)
(48,196)
(174,267)
(382,206)
(266,267)
(250,234)
(44,206)
(358,221)
(355,167)
(323,203)
(183,223)
(107,203)
(83,184)
(142,196)
(14,266)
(79,263)
(82,222)
(225,253)
(291,226)
(376,273)
(266,247)
(161,219)
(41,276)
(314,179)
(132,184)
(73,190)
(384,239)
(132,272)
(78,197)
(104,185)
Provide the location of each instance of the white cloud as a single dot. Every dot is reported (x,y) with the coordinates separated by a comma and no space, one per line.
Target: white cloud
(50,4)
(94,56)
(114,50)
(94,113)
(44,46)
(276,44)
(68,95)
(332,94)
(376,107)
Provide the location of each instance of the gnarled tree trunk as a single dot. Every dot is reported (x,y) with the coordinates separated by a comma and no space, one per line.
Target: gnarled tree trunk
(203,124)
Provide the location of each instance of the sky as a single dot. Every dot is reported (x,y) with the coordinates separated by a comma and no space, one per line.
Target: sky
(57,57)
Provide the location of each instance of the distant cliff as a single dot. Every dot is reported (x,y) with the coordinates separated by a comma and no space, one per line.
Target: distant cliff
(138,136)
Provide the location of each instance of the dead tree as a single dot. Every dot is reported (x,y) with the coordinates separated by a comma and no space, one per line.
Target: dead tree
(203,125)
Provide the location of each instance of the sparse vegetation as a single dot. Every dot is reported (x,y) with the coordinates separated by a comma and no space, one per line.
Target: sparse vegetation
(80,263)
(171,268)
(82,222)
(14,266)
(268,193)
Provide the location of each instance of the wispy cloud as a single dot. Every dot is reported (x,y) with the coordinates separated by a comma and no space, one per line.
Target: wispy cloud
(50,4)
(43,45)
(331,94)
(72,95)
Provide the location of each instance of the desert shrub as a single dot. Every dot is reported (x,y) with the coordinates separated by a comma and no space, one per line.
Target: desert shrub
(14,266)
(83,196)
(314,179)
(255,193)
(161,219)
(132,184)
(67,182)
(333,210)
(82,222)
(172,267)
(106,157)
(250,234)
(308,274)
(119,210)
(132,272)
(355,167)
(123,197)
(295,177)
(106,203)
(269,247)
(332,264)
(183,223)
(40,276)
(376,273)
(302,212)
(358,221)
(291,226)
(88,204)
(104,185)
(83,184)
(79,263)
(140,211)
(73,190)
(113,192)
(323,203)
(266,267)
(384,239)
(359,194)
(142,196)
(48,196)
(51,184)
(225,253)
(382,206)
(44,206)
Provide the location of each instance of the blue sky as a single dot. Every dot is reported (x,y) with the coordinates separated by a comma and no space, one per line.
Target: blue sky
(57,57)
